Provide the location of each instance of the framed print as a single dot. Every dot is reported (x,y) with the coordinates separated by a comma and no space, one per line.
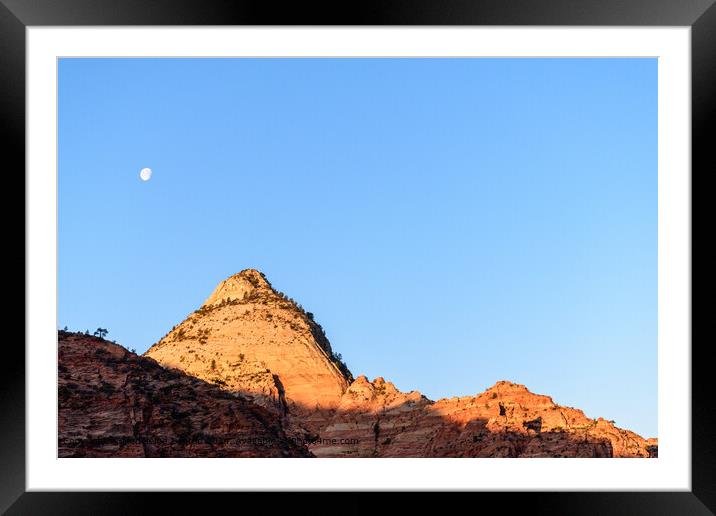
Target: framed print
(425,249)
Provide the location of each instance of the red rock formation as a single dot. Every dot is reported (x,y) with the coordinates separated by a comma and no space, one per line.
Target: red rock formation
(374,419)
(253,341)
(113,403)
(249,338)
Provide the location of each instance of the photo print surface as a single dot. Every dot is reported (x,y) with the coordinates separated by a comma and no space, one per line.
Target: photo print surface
(357,257)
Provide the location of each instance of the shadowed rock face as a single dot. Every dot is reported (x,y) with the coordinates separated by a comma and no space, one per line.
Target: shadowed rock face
(374,419)
(249,338)
(113,403)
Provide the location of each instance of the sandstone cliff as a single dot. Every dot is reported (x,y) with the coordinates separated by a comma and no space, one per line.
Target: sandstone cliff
(113,403)
(250,338)
(374,419)
(263,366)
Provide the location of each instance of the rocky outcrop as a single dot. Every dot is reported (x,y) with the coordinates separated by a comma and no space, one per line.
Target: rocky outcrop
(251,339)
(374,419)
(251,361)
(113,403)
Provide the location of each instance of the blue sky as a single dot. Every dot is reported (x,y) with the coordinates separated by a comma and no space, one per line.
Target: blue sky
(450,222)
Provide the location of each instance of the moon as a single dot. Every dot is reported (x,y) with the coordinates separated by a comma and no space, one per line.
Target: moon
(145,174)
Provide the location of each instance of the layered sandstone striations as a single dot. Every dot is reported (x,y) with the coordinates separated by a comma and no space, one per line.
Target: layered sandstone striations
(251,339)
(375,419)
(113,403)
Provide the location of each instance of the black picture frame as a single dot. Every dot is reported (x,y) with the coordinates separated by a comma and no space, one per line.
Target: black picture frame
(16,15)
